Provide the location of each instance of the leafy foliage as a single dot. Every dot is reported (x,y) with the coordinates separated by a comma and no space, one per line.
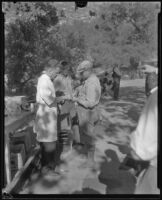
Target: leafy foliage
(30,44)
(131,28)
(36,33)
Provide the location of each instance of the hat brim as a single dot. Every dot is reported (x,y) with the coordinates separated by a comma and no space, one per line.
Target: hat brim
(84,69)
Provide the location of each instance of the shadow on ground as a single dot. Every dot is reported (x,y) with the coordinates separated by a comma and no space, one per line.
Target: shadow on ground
(117,181)
(119,118)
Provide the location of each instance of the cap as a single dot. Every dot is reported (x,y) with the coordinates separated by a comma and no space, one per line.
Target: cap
(85,65)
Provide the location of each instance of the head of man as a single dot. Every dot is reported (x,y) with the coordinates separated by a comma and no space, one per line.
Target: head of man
(52,72)
(65,69)
(84,70)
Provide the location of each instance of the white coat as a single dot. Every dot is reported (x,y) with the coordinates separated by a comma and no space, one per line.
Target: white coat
(46,118)
(144,139)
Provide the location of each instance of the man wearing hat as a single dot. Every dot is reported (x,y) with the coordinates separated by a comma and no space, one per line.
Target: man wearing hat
(87,100)
(116,81)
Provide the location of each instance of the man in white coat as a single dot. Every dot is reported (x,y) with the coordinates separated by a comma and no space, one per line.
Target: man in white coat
(46,118)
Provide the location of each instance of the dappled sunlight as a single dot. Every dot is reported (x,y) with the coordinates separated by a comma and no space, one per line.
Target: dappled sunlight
(112,135)
(121,117)
(42,36)
(112,144)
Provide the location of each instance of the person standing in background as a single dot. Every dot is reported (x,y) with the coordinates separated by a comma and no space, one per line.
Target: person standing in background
(116,81)
(151,82)
(107,83)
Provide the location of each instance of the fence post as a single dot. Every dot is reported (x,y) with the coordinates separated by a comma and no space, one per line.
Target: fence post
(7,158)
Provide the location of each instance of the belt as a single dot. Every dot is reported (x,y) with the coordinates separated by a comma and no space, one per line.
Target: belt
(92,108)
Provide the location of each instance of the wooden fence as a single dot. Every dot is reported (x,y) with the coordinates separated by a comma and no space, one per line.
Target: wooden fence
(11,128)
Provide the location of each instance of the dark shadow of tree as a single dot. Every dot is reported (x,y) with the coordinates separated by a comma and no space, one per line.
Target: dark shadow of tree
(123,148)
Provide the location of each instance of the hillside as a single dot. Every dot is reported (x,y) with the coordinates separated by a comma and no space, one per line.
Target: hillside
(79,14)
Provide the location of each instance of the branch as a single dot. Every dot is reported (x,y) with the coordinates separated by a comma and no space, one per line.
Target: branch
(133,23)
(23,83)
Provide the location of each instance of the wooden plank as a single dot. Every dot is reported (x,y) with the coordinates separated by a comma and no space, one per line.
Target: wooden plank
(19,122)
(19,176)
(10,128)
(7,159)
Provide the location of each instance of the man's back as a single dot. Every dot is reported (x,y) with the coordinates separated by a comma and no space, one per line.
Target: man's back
(91,90)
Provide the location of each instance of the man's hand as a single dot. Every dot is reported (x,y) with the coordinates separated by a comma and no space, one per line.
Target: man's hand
(148,69)
(75,99)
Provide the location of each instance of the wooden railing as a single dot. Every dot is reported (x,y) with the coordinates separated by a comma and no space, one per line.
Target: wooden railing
(11,128)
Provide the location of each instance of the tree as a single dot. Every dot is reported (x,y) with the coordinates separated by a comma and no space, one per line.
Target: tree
(26,41)
(129,30)
(33,39)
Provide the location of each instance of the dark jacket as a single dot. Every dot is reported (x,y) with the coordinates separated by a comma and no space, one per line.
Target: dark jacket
(151,82)
(116,73)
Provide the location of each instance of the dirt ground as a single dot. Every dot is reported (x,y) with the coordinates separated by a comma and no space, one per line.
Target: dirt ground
(119,118)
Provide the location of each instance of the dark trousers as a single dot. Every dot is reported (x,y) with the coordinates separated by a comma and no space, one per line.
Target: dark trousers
(150,83)
(116,87)
(48,154)
(68,109)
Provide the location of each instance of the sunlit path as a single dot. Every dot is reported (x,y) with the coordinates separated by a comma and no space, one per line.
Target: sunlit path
(118,119)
